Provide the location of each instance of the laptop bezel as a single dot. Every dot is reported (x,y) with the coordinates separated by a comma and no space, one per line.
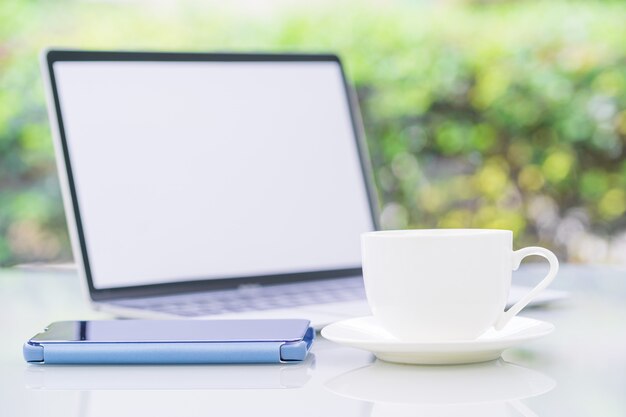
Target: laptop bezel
(50,57)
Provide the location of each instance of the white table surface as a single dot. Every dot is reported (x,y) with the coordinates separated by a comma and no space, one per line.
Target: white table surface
(579,370)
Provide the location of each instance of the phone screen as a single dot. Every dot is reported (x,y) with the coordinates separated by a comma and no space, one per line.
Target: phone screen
(112,331)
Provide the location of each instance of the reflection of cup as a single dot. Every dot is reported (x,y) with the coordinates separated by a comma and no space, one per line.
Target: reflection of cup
(445,284)
(485,389)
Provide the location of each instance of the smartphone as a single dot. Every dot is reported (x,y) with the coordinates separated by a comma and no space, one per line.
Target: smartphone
(171,342)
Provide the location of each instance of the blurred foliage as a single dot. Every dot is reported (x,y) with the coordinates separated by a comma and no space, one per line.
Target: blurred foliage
(502,115)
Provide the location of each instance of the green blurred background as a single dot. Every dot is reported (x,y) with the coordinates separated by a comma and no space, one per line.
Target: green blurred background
(478,114)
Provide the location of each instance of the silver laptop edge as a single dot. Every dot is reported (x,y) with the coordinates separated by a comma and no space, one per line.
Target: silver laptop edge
(309,311)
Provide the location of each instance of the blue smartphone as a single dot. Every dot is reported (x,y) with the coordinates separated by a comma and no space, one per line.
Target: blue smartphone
(171,342)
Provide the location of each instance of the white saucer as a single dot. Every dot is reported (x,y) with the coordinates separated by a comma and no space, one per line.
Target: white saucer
(366,333)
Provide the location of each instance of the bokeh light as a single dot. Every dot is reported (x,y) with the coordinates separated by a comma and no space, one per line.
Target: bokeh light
(477,114)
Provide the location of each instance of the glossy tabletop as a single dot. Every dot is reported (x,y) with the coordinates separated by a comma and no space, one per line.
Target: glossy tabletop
(579,370)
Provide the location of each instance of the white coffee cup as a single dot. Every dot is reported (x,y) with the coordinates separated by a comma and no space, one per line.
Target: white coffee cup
(444,284)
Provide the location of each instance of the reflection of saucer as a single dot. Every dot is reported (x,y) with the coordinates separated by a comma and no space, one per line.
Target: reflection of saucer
(487,382)
(366,333)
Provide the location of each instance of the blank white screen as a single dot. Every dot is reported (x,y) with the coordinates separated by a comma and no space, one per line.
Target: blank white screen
(204,170)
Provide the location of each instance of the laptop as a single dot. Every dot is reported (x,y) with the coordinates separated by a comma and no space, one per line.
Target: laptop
(212,185)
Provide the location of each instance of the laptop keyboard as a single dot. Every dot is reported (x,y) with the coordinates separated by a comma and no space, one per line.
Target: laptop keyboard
(252,298)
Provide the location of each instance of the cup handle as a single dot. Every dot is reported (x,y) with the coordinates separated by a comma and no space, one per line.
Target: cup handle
(518,255)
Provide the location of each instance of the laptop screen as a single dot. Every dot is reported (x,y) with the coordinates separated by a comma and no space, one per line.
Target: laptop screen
(207,170)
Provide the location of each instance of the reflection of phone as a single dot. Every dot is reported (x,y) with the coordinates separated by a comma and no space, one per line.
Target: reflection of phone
(171,341)
(181,377)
